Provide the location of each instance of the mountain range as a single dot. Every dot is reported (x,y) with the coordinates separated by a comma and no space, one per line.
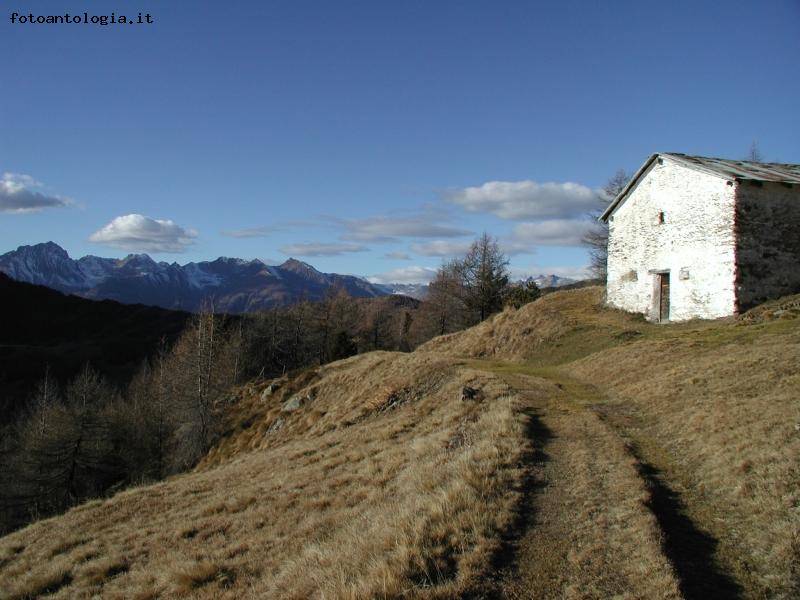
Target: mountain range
(233,285)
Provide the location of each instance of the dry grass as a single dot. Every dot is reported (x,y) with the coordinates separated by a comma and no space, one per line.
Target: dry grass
(714,405)
(353,497)
(555,329)
(724,419)
(592,534)
(47,579)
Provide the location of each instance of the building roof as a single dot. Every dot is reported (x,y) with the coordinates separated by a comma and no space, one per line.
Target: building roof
(732,170)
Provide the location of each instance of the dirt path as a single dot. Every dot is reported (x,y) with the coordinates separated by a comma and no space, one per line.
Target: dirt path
(588,532)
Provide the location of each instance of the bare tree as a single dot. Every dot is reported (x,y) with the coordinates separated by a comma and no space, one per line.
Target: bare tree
(596,239)
(465,291)
(205,358)
(443,310)
(72,457)
(160,413)
(298,342)
(200,370)
(374,326)
(484,276)
(754,155)
(147,418)
(333,321)
(45,395)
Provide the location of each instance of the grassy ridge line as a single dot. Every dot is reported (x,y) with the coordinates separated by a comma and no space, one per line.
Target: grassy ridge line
(351,498)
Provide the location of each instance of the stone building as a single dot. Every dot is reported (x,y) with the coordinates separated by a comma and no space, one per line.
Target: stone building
(695,237)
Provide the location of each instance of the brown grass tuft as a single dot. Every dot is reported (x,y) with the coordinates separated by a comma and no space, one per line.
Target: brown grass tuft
(99,571)
(48,579)
(189,577)
(65,545)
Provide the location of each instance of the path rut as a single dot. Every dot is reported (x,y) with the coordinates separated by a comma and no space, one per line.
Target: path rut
(589,532)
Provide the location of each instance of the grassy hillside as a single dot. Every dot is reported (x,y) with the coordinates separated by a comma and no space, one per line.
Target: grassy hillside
(603,456)
(383,483)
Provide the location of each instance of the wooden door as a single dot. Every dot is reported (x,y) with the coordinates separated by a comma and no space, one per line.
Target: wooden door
(663,297)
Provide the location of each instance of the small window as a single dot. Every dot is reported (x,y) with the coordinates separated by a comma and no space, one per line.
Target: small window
(661,217)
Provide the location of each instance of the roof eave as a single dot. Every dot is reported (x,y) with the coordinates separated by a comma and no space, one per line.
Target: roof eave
(621,196)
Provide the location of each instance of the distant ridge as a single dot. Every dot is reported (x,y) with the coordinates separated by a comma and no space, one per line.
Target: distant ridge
(233,285)
(420,290)
(551,281)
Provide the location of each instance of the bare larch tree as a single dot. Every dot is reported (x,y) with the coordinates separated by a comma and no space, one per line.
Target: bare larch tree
(597,237)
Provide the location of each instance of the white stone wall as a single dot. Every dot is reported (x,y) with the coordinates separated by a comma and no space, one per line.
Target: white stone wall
(695,244)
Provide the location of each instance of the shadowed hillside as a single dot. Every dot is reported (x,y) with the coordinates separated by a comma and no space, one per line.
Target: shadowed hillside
(42,327)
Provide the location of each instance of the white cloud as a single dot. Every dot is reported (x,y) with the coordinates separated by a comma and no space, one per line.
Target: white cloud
(18,194)
(414,274)
(520,200)
(441,248)
(388,229)
(140,233)
(321,249)
(553,232)
(397,256)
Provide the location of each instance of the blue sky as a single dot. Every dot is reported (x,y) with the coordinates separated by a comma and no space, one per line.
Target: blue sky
(370,137)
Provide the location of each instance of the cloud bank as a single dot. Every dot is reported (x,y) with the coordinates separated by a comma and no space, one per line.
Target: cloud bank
(553,232)
(397,256)
(446,248)
(266,230)
(415,274)
(18,194)
(322,249)
(524,200)
(144,234)
(389,229)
